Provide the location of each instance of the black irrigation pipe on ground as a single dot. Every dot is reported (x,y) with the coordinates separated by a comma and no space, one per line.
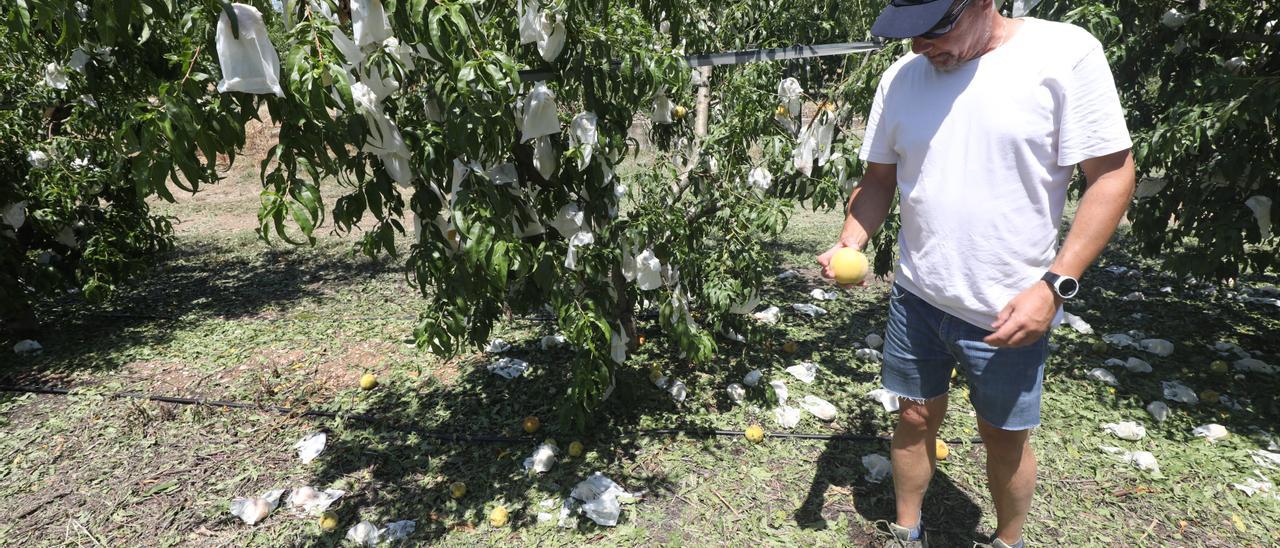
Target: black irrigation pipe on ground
(445,436)
(133,316)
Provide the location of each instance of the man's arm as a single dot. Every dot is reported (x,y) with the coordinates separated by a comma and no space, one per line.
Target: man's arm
(1110,184)
(1110,187)
(868,206)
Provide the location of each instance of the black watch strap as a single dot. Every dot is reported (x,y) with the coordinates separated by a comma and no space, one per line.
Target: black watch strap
(1065,287)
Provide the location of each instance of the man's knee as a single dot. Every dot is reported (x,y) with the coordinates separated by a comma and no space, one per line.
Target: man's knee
(1004,444)
(920,416)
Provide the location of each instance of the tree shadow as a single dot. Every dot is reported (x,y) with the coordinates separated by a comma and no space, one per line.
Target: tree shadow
(1194,317)
(406,462)
(195,282)
(950,515)
(405,473)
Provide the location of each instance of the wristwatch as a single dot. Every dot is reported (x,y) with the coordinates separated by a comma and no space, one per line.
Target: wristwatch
(1065,286)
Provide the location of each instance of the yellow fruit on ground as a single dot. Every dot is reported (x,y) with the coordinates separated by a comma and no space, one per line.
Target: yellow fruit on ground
(575,449)
(679,112)
(328,521)
(551,442)
(790,347)
(755,434)
(941,449)
(530,424)
(1209,396)
(954,373)
(849,265)
(782,111)
(457,489)
(498,516)
(640,340)
(1218,366)
(368,381)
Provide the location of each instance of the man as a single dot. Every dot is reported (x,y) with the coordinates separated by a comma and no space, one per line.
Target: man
(980,129)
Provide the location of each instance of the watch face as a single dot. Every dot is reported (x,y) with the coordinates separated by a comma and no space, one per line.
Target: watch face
(1067,287)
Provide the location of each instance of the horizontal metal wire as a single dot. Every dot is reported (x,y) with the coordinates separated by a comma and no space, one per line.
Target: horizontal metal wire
(744,56)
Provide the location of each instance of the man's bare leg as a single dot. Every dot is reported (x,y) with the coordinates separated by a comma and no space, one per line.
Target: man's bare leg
(1011,477)
(913,453)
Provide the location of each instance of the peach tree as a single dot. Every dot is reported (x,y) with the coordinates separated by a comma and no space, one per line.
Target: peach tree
(103,105)
(1198,81)
(492,135)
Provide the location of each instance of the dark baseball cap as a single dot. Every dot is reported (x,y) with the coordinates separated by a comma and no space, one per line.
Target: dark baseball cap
(909,18)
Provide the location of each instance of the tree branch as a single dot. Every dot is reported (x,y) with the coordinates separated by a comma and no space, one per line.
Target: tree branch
(701,213)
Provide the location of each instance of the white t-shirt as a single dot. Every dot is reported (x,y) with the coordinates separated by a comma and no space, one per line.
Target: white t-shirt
(984,155)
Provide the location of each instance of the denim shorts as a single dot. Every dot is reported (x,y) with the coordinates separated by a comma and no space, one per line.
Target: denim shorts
(922,345)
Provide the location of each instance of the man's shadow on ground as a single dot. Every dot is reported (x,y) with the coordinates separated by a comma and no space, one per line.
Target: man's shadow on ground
(839,486)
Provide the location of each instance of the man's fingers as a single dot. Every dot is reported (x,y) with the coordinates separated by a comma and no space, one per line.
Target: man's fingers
(1025,337)
(1003,317)
(825,260)
(1016,334)
(1003,335)
(1018,339)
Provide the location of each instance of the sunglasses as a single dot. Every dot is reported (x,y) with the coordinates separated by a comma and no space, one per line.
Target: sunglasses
(948,21)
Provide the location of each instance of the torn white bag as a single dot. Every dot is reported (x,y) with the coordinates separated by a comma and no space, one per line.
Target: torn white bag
(661,108)
(529,14)
(1127,430)
(787,416)
(250,64)
(1159,411)
(551,37)
(804,371)
(648,271)
(887,399)
(736,392)
(539,113)
(601,499)
(581,239)
(790,95)
(618,344)
(583,134)
(370,22)
(878,468)
(819,407)
(760,179)
(779,390)
(1261,207)
(543,458)
(252,510)
(545,157)
(569,220)
(309,500)
(310,446)
(14,215)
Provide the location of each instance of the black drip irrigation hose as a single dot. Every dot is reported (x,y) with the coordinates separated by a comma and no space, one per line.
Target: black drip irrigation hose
(446,436)
(532,318)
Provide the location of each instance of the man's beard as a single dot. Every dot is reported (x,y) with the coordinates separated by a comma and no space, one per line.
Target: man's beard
(945,63)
